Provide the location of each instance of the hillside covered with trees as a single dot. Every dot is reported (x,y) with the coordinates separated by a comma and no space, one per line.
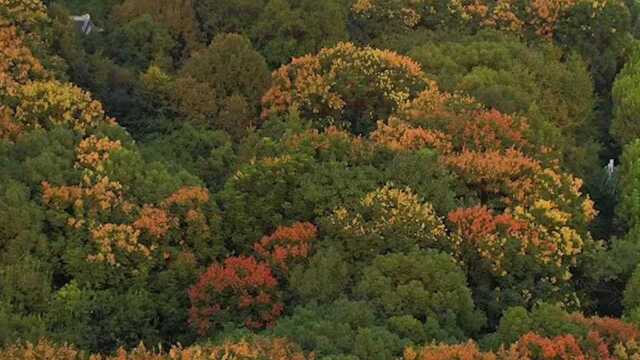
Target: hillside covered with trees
(320,179)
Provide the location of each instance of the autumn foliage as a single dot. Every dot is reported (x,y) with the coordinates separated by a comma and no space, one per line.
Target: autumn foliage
(481,232)
(99,204)
(602,339)
(346,201)
(240,288)
(32,100)
(17,66)
(345,85)
(287,244)
(387,219)
(260,348)
(537,18)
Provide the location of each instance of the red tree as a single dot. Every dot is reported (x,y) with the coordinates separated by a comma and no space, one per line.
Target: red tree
(240,288)
(286,244)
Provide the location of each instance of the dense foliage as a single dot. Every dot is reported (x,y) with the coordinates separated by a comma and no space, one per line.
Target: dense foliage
(338,180)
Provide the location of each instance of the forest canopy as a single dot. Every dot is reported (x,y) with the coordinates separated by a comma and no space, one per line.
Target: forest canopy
(336,180)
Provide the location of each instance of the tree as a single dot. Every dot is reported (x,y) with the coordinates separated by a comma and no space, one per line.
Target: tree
(537,19)
(386,220)
(22,231)
(629,204)
(427,286)
(601,33)
(375,18)
(18,66)
(341,329)
(140,43)
(487,149)
(246,75)
(263,347)
(241,289)
(422,172)
(282,189)
(207,154)
(279,29)
(287,29)
(632,297)
(553,91)
(228,16)
(626,101)
(257,198)
(178,16)
(236,116)
(64,104)
(26,15)
(18,62)
(490,153)
(122,319)
(324,279)
(543,319)
(286,245)
(590,338)
(346,85)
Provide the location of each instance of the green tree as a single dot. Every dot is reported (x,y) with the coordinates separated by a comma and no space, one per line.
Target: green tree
(207,154)
(324,279)
(231,67)
(544,319)
(289,29)
(553,91)
(626,102)
(629,203)
(16,327)
(422,172)
(228,16)
(103,320)
(601,34)
(427,286)
(632,293)
(140,43)
(177,16)
(343,330)
(288,186)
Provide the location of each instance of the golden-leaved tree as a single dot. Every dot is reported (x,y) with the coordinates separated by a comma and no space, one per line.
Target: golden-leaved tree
(530,214)
(345,85)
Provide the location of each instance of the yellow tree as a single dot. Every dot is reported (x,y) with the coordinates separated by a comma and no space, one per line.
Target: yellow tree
(345,85)
(530,222)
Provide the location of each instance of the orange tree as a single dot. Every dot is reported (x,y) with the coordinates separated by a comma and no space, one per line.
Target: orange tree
(346,85)
(287,244)
(527,205)
(112,219)
(131,250)
(257,347)
(507,74)
(119,229)
(559,336)
(600,31)
(240,289)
